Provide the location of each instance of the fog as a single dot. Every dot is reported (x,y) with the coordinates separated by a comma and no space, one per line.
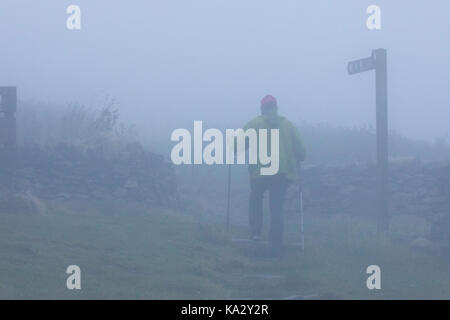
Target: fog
(168,63)
(118,177)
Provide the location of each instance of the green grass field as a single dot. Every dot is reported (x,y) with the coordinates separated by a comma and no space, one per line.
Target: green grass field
(131,252)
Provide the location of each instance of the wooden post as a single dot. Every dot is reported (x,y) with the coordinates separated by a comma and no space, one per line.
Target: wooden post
(8,105)
(380,59)
(228,199)
(378,62)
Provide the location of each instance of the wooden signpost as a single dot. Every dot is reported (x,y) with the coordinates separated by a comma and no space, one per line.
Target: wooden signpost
(378,62)
(8,105)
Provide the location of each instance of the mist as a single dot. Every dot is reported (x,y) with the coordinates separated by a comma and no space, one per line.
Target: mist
(124,144)
(169,63)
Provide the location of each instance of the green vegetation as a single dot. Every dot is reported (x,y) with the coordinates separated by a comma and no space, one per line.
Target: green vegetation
(128,251)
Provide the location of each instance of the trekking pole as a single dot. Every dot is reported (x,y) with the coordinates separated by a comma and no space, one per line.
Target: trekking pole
(228,197)
(300,197)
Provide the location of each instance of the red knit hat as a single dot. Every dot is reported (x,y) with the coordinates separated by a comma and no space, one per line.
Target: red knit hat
(268,98)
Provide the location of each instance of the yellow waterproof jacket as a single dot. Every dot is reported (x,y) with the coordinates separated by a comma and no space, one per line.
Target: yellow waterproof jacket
(291,147)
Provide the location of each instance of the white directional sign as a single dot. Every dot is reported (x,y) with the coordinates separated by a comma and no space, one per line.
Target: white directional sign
(361,65)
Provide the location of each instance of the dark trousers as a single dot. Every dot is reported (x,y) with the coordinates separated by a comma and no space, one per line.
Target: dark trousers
(277,186)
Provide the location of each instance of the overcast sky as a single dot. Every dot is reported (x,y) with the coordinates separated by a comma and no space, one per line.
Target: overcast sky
(171,62)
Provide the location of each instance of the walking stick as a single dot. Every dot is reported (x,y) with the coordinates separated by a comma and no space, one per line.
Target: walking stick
(300,197)
(228,197)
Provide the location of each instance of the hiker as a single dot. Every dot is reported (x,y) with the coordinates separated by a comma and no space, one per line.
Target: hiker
(291,152)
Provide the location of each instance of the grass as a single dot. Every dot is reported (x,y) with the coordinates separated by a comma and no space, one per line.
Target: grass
(133,252)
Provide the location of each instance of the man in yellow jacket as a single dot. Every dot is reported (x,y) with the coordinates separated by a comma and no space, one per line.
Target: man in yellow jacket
(291,152)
